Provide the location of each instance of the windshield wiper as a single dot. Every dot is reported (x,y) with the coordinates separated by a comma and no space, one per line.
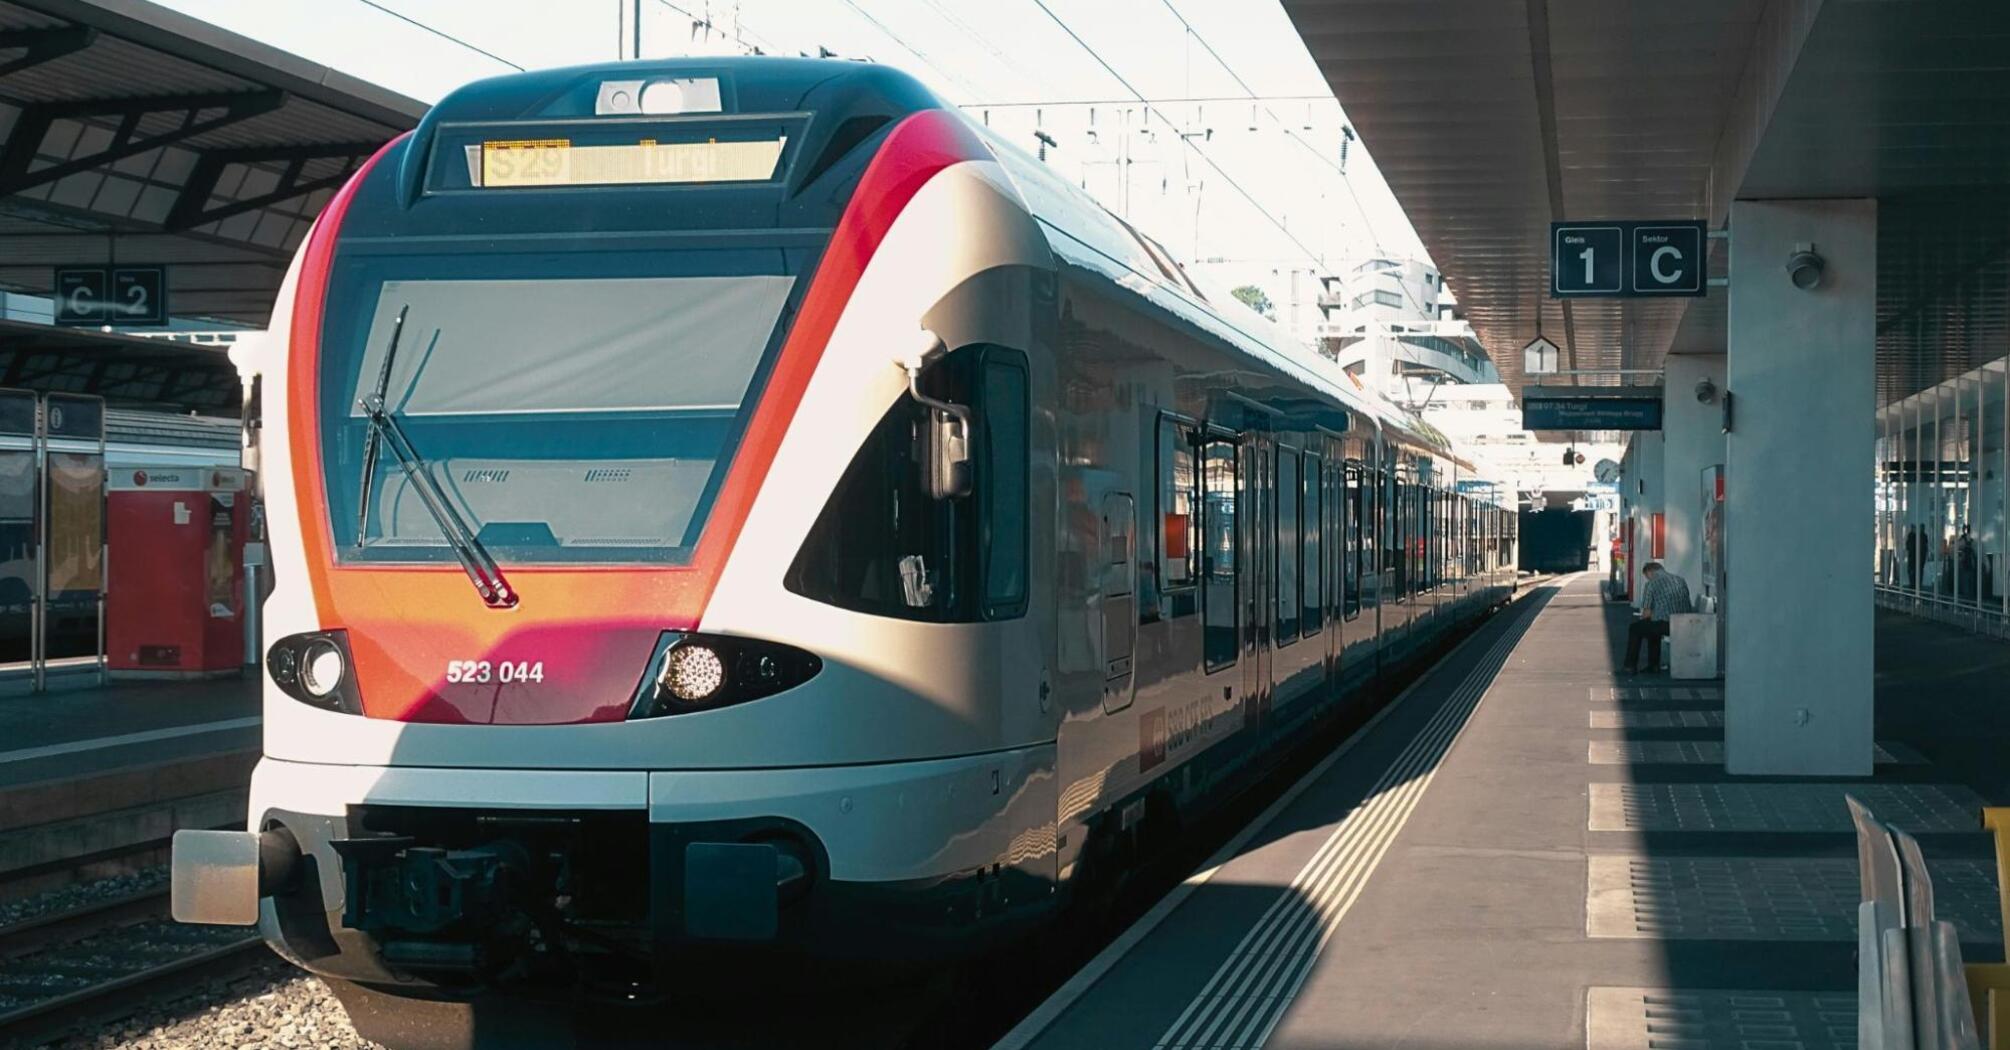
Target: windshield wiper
(384,429)
(371,439)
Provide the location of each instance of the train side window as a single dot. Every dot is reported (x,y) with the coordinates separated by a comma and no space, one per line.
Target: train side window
(1003,418)
(1350,549)
(1313,591)
(1176,551)
(1288,532)
(882,545)
(1220,478)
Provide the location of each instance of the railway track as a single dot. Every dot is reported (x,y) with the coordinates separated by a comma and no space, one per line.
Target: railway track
(105,958)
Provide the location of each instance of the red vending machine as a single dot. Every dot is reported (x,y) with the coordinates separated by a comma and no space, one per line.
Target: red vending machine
(175,604)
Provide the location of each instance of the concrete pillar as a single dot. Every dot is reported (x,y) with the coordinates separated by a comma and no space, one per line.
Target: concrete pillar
(1693,439)
(1798,629)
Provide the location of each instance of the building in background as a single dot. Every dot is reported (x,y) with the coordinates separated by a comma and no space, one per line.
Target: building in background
(1391,324)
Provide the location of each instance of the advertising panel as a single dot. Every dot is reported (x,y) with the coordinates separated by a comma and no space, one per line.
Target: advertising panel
(74,429)
(19,496)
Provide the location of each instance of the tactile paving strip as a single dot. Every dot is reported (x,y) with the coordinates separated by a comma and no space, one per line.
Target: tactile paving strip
(1780,807)
(1677,752)
(1612,718)
(1664,1019)
(1648,694)
(1765,898)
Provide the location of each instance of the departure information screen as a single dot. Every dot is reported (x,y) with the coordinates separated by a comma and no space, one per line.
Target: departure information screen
(559,162)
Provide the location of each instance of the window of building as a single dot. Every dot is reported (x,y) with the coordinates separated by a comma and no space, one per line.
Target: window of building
(1288,532)
(1219,477)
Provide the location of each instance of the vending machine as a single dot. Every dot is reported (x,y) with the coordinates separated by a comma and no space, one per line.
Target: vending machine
(175,606)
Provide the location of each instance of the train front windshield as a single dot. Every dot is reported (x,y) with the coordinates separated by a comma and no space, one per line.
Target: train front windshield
(568,415)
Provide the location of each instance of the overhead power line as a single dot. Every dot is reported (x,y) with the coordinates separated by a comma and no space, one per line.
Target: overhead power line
(740,29)
(910,48)
(1189,143)
(442,34)
(1346,183)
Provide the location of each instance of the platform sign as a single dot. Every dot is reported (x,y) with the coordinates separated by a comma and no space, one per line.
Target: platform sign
(80,294)
(1590,408)
(89,296)
(1587,260)
(1628,259)
(1667,258)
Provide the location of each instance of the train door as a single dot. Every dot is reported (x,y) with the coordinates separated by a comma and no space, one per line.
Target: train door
(1119,627)
(1332,551)
(1259,565)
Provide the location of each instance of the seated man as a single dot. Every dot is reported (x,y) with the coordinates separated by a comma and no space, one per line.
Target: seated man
(1662,596)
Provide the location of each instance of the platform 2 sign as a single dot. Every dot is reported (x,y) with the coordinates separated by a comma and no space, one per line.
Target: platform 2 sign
(1582,411)
(1627,260)
(88,296)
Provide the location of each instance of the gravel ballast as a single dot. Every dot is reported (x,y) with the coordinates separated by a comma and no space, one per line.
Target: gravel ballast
(272,1006)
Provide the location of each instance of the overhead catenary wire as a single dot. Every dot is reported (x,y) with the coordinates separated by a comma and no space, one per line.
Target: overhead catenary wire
(740,28)
(1187,142)
(888,32)
(442,34)
(1346,183)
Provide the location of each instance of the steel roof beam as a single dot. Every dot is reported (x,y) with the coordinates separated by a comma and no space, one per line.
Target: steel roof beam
(35,121)
(189,210)
(43,45)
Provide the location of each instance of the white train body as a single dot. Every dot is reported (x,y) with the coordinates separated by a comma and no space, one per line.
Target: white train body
(932,714)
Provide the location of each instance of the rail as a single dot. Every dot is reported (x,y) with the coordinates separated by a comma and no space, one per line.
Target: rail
(64,971)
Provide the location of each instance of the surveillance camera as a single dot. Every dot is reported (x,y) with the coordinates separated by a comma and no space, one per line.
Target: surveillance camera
(1804,268)
(1706,391)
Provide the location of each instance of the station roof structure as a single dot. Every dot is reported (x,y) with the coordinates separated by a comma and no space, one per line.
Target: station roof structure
(134,134)
(1492,118)
(126,370)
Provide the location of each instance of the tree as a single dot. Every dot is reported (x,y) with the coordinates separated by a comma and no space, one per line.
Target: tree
(1254,298)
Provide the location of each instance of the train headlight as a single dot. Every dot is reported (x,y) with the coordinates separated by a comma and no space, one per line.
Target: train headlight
(322,668)
(314,668)
(692,673)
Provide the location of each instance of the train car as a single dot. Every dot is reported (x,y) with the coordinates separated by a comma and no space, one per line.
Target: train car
(740,509)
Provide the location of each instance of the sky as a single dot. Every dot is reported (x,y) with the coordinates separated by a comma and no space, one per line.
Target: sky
(1251,186)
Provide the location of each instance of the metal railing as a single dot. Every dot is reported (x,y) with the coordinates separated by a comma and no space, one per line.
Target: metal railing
(1982,616)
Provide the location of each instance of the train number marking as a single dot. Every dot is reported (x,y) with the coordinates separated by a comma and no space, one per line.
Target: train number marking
(477,671)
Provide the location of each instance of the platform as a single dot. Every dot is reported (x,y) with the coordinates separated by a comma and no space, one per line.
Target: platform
(84,731)
(1527,850)
(113,771)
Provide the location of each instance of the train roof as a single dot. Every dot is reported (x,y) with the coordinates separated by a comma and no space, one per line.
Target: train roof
(838,92)
(1099,241)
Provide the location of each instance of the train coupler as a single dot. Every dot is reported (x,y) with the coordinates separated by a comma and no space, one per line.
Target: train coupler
(397,886)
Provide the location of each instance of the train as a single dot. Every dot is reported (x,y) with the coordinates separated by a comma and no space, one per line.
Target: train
(744,510)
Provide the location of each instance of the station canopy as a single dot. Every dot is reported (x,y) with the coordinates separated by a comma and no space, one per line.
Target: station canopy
(133,135)
(1492,118)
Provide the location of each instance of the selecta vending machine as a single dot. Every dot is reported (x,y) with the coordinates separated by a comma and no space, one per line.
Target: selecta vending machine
(175,604)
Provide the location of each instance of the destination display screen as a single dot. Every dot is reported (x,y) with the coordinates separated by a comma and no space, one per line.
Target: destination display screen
(559,162)
(618,151)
